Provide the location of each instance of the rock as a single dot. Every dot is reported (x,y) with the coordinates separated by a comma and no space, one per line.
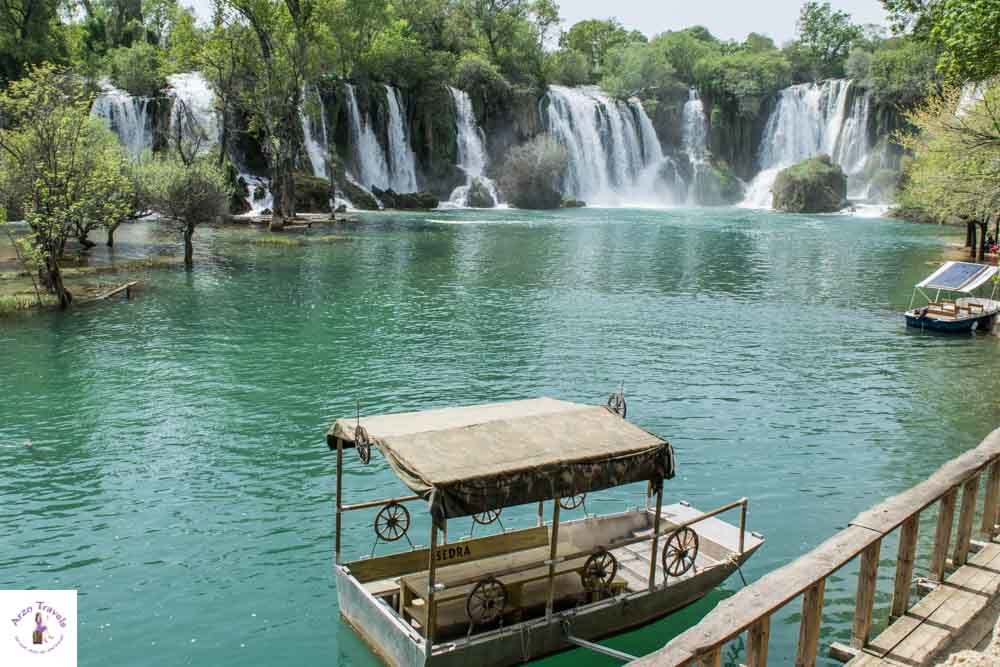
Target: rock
(312,194)
(406,201)
(573,203)
(358,196)
(341,209)
(479,195)
(716,185)
(816,185)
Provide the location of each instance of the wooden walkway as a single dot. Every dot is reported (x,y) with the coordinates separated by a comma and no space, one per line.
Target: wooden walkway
(929,628)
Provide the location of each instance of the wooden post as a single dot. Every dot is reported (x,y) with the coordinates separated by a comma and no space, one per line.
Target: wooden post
(553,552)
(711,659)
(905,558)
(942,535)
(743,525)
(812,617)
(865,600)
(541,511)
(656,535)
(988,526)
(340,475)
(431,571)
(757,637)
(965,519)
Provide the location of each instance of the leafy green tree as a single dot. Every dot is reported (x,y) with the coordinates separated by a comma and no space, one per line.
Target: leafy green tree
(567,67)
(595,38)
(65,169)
(29,33)
(745,77)
(900,71)
(185,194)
(684,48)
(827,36)
(137,69)
(637,69)
(965,31)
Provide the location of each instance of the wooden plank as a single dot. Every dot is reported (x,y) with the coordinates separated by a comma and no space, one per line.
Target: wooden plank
(987,526)
(757,638)
(865,601)
(906,556)
(127,288)
(711,659)
(812,619)
(965,519)
(408,562)
(942,535)
(738,612)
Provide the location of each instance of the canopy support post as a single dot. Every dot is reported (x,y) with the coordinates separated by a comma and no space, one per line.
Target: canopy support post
(431,572)
(553,552)
(656,535)
(541,512)
(340,474)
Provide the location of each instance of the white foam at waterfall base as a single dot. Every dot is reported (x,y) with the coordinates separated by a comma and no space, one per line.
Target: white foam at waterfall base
(810,119)
(472,157)
(255,185)
(615,158)
(126,116)
(193,110)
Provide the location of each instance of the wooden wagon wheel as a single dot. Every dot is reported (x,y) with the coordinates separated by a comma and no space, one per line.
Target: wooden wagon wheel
(572,502)
(392,522)
(680,552)
(362,443)
(487,517)
(617,404)
(599,571)
(486,601)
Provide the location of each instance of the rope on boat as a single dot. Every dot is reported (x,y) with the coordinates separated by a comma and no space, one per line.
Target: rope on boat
(735,561)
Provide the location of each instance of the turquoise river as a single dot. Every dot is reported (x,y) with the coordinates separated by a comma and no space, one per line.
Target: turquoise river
(177,473)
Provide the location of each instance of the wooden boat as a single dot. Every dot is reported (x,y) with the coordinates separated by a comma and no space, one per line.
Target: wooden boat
(957,315)
(520,594)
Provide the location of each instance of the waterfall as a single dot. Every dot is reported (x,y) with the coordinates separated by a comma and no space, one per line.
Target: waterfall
(314,134)
(614,154)
(402,162)
(808,120)
(472,157)
(126,116)
(369,160)
(192,111)
(694,138)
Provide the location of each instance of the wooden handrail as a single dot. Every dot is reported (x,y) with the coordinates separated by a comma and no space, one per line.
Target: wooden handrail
(751,608)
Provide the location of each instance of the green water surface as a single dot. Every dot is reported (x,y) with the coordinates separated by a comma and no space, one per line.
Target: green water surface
(178,475)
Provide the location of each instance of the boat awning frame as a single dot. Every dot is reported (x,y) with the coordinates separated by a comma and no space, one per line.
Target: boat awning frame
(978,275)
(473,459)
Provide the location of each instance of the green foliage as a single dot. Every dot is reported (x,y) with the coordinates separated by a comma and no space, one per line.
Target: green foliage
(826,36)
(532,173)
(901,71)
(595,38)
(184,43)
(189,194)
(568,67)
(136,69)
(30,33)
(637,69)
(816,185)
(480,78)
(684,48)
(747,77)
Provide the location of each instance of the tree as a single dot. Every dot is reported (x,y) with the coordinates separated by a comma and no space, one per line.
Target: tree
(827,35)
(186,194)
(594,38)
(900,71)
(955,170)
(637,69)
(65,169)
(684,48)
(29,33)
(745,77)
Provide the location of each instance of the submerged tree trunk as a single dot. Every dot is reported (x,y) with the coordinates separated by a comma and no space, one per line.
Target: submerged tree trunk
(188,247)
(55,282)
(111,235)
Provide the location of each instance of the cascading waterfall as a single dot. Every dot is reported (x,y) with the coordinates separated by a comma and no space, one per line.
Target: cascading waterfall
(401,159)
(369,160)
(314,133)
(472,157)
(614,154)
(192,112)
(811,119)
(694,138)
(126,116)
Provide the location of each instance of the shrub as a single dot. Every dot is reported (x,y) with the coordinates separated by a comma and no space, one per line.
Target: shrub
(532,174)
(136,69)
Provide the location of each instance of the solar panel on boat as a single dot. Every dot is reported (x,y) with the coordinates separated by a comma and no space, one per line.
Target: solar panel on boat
(957,275)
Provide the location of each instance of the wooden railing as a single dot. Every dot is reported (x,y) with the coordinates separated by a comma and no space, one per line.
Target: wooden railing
(750,609)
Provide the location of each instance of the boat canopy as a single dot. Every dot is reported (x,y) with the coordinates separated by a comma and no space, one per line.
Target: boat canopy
(959,277)
(472,459)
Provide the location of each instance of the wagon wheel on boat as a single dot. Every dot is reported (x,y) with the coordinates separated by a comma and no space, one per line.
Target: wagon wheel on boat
(680,552)
(363,444)
(392,522)
(617,404)
(599,571)
(572,502)
(486,601)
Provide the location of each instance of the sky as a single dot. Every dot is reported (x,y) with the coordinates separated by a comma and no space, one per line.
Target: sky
(726,19)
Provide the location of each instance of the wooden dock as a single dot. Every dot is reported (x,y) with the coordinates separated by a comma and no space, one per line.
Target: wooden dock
(957,613)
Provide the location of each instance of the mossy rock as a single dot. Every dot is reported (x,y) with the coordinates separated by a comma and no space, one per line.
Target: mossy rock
(816,185)
(573,203)
(312,194)
(407,200)
(479,196)
(361,198)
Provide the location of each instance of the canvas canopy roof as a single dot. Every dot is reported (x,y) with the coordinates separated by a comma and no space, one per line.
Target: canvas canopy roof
(471,459)
(959,277)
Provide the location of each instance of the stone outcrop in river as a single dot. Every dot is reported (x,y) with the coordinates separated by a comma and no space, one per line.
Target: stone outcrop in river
(816,185)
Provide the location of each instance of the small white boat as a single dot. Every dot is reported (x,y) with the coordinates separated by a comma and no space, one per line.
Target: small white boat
(518,595)
(959,314)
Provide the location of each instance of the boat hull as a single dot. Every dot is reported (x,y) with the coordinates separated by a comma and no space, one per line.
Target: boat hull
(917,320)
